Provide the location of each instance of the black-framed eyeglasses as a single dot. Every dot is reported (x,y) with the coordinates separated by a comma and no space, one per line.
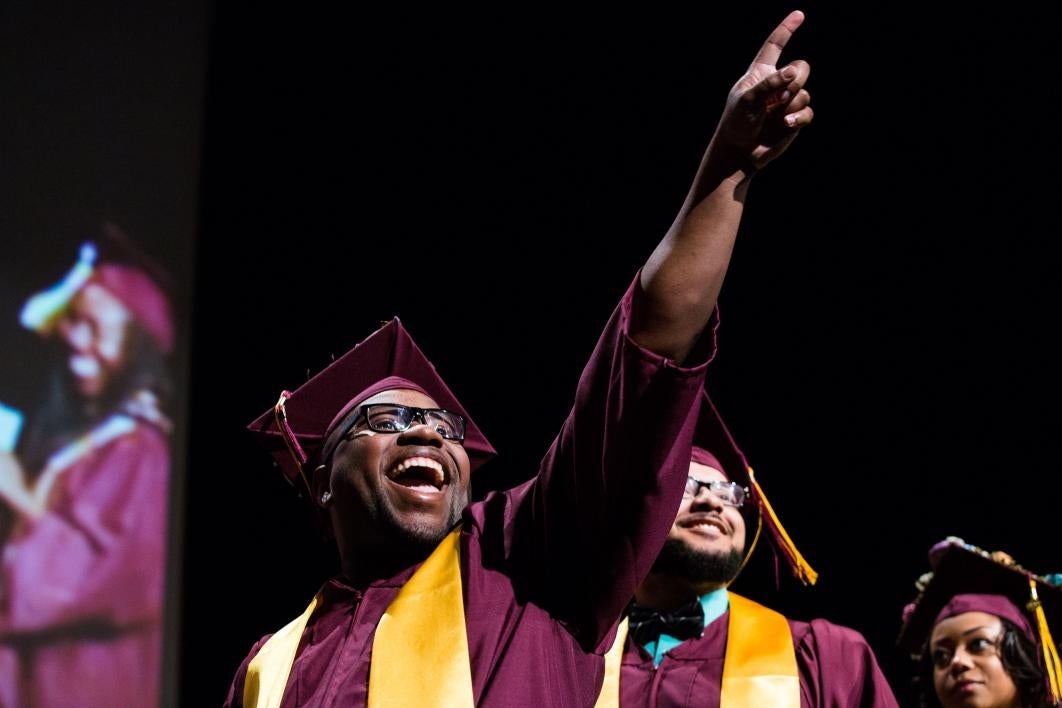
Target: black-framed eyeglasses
(730,493)
(396,418)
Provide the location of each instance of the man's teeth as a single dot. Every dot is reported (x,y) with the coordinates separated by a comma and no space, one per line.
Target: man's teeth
(423,463)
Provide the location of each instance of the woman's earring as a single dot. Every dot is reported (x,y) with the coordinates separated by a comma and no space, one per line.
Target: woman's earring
(325,497)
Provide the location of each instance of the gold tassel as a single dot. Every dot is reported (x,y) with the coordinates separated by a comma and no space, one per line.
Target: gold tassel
(1051,659)
(801,569)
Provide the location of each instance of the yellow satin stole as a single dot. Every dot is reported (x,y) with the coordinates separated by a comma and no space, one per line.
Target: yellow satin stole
(759,666)
(423,626)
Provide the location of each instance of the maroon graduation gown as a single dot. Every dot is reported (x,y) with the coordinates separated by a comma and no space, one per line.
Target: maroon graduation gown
(548,567)
(837,668)
(83,586)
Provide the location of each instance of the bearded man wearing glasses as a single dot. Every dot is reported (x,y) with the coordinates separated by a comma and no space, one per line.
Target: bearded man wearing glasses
(688,640)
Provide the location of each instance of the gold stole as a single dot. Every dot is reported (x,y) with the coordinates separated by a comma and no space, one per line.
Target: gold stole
(759,666)
(424,626)
(267,674)
(609,696)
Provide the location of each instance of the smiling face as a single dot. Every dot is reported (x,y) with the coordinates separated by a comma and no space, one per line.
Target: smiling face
(704,522)
(95,328)
(967,667)
(394,493)
(704,548)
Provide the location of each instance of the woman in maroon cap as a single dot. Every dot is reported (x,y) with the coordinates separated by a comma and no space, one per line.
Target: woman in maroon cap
(980,631)
(82,573)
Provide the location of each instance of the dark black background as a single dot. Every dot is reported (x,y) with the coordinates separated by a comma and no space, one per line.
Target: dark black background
(888,349)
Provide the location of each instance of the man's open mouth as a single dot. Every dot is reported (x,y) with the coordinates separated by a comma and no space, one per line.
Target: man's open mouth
(420,473)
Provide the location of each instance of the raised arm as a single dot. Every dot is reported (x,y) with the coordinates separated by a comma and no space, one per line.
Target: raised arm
(681,281)
(607,490)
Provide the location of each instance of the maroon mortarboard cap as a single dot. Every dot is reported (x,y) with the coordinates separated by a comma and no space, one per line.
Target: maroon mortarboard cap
(965,578)
(714,445)
(993,604)
(702,456)
(138,292)
(712,438)
(295,429)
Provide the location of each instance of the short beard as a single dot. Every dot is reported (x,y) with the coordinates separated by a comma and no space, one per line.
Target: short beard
(678,559)
(418,540)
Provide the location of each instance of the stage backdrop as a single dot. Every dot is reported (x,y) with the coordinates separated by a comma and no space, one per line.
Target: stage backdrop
(100,137)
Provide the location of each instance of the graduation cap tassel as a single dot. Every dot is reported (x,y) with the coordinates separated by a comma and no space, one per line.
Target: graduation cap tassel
(280,416)
(801,569)
(1051,659)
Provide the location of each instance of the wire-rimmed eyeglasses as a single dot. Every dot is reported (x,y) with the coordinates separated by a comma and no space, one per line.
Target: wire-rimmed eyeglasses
(730,493)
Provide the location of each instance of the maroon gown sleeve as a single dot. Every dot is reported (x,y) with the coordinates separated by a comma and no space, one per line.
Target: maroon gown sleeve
(97,556)
(597,513)
(839,668)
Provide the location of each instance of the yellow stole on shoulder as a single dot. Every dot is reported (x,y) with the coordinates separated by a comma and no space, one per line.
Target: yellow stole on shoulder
(424,626)
(759,666)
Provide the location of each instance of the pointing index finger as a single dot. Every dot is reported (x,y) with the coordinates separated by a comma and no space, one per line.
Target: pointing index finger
(771,50)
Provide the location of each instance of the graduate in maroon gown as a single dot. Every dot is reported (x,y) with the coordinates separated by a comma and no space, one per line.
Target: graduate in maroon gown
(980,631)
(514,600)
(83,567)
(692,642)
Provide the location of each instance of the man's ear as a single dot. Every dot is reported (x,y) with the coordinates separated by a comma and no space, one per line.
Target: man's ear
(321,479)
